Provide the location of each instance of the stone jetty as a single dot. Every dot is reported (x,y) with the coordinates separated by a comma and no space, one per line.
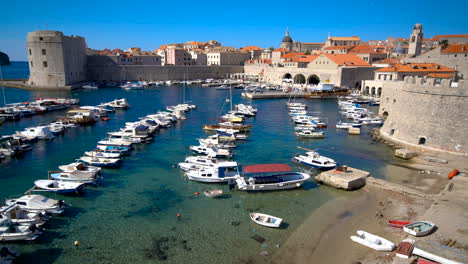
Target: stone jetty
(348,179)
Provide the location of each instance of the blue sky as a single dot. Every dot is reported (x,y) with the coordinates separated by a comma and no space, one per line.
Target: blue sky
(149,24)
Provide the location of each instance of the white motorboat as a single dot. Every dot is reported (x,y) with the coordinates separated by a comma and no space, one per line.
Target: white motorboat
(38,203)
(372,241)
(90,86)
(101,162)
(266,220)
(269,177)
(17,215)
(12,232)
(116,142)
(314,159)
(40,132)
(214,193)
(56,129)
(102,154)
(81,168)
(113,149)
(74,177)
(420,228)
(343,125)
(197,162)
(211,151)
(310,134)
(220,173)
(216,140)
(59,186)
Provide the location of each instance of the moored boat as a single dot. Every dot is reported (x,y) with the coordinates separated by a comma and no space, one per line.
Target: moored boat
(314,159)
(266,220)
(214,193)
(38,203)
(420,228)
(58,186)
(100,162)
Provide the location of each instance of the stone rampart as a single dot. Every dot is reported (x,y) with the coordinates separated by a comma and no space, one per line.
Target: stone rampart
(424,115)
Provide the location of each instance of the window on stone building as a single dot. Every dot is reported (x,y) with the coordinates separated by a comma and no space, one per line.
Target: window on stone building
(422,141)
(40,38)
(391,77)
(31,64)
(392,132)
(43,52)
(30,53)
(44,63)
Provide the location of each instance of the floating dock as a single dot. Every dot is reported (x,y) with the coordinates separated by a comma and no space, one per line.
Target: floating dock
(350,179)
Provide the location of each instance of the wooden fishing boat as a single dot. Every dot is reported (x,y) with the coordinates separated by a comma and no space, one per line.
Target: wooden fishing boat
(213,193)
(373,241)
(420,228)
(266,220)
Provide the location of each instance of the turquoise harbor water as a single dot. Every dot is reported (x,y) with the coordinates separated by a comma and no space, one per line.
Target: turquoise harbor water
(131,216)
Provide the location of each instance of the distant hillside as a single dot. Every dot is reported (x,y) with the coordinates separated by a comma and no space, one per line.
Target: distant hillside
(4,60)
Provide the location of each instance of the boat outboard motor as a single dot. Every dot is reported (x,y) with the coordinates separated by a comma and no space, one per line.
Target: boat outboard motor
(61,203)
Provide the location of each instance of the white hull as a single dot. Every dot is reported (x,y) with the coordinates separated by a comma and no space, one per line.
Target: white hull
(266,220)
(373,241)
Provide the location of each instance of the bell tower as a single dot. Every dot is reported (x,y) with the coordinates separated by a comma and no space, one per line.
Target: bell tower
(415,41)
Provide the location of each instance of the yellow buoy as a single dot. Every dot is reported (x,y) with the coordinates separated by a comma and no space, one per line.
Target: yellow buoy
(77,243)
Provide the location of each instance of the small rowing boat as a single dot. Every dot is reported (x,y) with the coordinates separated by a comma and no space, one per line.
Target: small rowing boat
(397,223)
(420,228)
(373,241)
(213,193)
(266,220)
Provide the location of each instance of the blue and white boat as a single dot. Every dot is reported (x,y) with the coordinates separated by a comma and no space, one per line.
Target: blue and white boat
(58,186)
(269,177)
(74,177)
(113,149)
(101,162)
(314,159)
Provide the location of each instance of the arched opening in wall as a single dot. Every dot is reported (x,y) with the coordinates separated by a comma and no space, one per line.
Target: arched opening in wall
(379,92)
(287,76)
(366,91)
(392,132)
(422,141)
(299,79)
(373,91)
(385,115)
(358,85)
(313,80)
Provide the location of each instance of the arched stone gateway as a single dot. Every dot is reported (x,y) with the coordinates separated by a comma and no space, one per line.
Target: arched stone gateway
(379,92)
(287,76)
(313,79)
(299,79)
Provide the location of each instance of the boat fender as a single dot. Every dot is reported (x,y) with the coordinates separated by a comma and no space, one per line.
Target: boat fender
(76,243)
(453,174)
(196,193)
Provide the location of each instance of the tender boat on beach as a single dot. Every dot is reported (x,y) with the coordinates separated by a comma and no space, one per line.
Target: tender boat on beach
(314,159)
(373,241)
(101,162)
(59,186)
(269,177)
(214,193)
(220,173)
(38,203)
(420,228)
(80,168)
(266,220)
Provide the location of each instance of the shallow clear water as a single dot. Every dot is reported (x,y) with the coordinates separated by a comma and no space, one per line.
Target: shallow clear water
(132,216)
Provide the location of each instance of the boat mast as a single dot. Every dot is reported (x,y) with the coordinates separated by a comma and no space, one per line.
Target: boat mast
(3,87)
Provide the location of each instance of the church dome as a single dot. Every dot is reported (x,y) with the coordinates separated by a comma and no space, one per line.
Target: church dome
(287,38)
(399,49)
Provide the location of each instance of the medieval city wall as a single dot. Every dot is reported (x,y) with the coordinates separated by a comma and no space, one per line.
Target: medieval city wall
(426,116)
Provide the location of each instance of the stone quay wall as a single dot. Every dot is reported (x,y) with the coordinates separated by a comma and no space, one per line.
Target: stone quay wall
(159,73)
(423,115)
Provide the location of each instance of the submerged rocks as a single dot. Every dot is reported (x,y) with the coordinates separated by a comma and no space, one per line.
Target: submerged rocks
(160,247)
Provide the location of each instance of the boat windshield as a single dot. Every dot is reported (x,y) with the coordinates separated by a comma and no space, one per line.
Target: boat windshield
(279,178)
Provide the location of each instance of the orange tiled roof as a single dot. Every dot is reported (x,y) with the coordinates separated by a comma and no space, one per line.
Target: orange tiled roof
(195,43)
(355,38)
(249,48)
(281,49)
(416,67)
(305,58)
(291,55)
(347,47)
(456,48)
(365,48)
(347,60)
(438,37)
(440,75)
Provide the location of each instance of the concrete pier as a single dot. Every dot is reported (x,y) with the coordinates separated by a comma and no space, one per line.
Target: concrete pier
(349,180)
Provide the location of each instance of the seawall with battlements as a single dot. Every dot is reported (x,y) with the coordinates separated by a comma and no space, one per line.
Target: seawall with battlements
(425,115)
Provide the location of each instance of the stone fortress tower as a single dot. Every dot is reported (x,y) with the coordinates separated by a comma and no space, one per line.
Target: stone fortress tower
(56,60)
(415,41)
(287,42)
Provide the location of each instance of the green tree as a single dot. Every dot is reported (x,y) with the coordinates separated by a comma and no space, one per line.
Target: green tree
(307,53)
(271,48)
(444,44)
